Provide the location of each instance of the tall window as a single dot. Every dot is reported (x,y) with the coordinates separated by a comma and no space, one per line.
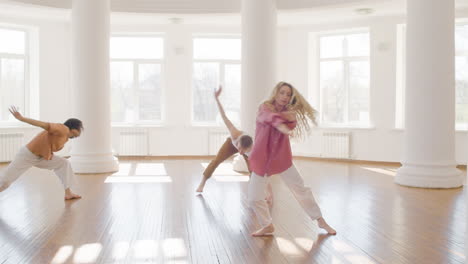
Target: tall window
(216,61)
(461,77)
(344,79)
(13,80)
(400,77)
(136,79)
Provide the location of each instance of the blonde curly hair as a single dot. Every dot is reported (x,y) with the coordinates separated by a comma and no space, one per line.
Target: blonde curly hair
(305,113)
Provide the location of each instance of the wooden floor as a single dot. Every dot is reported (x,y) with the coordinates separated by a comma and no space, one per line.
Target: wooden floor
(148,213)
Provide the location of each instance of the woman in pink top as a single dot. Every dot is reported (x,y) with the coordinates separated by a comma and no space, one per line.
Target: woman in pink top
(285,114)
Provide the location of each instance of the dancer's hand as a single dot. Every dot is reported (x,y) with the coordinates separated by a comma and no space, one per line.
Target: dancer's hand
(218,92)
(284,129)
(289,115)
(14,111)
(291,107)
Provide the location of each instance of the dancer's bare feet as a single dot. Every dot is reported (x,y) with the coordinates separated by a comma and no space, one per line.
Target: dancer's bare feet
(3,186)
(202,185)
(323,224)
(264,231)
(69,195)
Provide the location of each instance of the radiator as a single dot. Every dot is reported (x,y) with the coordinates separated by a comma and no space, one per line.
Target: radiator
(215,141)
(10,143)
(335,145)
(133,142)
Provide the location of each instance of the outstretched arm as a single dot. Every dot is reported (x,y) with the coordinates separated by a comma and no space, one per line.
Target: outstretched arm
(232,129)
(17,115)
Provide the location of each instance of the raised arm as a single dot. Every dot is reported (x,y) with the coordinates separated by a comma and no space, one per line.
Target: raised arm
(17,115)
(232,129)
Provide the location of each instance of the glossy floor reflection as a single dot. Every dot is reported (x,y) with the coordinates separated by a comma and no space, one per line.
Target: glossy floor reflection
(148,212)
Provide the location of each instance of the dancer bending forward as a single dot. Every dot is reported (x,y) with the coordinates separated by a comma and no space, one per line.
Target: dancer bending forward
(40,153)
(238,142)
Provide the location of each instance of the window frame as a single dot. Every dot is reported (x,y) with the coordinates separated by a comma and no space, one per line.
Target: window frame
(346,78)
(27,111)
(222,66)
(135,85)
(459,53)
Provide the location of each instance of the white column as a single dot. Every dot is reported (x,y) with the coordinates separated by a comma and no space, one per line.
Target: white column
(92,151)
(258,57)
(429,151)
(258,62)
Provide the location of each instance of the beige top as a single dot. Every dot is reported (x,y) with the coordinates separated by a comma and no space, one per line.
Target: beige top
(47,142)
(236,141)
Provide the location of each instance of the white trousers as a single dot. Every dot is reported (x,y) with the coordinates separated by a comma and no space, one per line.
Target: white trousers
(257,194)
(25,159)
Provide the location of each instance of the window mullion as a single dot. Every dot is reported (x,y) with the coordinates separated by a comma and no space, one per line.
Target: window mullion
(346,88)
(202,114)
(26,85)
(346,79)
(162,94)
(136,92)
(222,76)
(319,67)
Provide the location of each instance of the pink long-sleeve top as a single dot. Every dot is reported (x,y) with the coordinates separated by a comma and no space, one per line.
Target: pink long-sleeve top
(271,152)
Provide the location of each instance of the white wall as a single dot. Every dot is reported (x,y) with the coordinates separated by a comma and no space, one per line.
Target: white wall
(178,137)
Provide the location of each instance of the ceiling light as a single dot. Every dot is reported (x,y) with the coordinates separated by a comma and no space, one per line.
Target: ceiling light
(364,11)
(176,20)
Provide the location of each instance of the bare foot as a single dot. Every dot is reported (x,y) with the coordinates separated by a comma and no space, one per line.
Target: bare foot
(201,186)
(69,195)
(3,186)
(322,224)
(265,231)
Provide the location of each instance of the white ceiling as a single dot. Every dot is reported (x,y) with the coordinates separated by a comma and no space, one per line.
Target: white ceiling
(199,6)
(214,12)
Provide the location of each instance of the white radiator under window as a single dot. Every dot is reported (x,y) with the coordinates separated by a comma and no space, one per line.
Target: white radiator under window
(215,140)
(336,145)
(10,143)
(133,142)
